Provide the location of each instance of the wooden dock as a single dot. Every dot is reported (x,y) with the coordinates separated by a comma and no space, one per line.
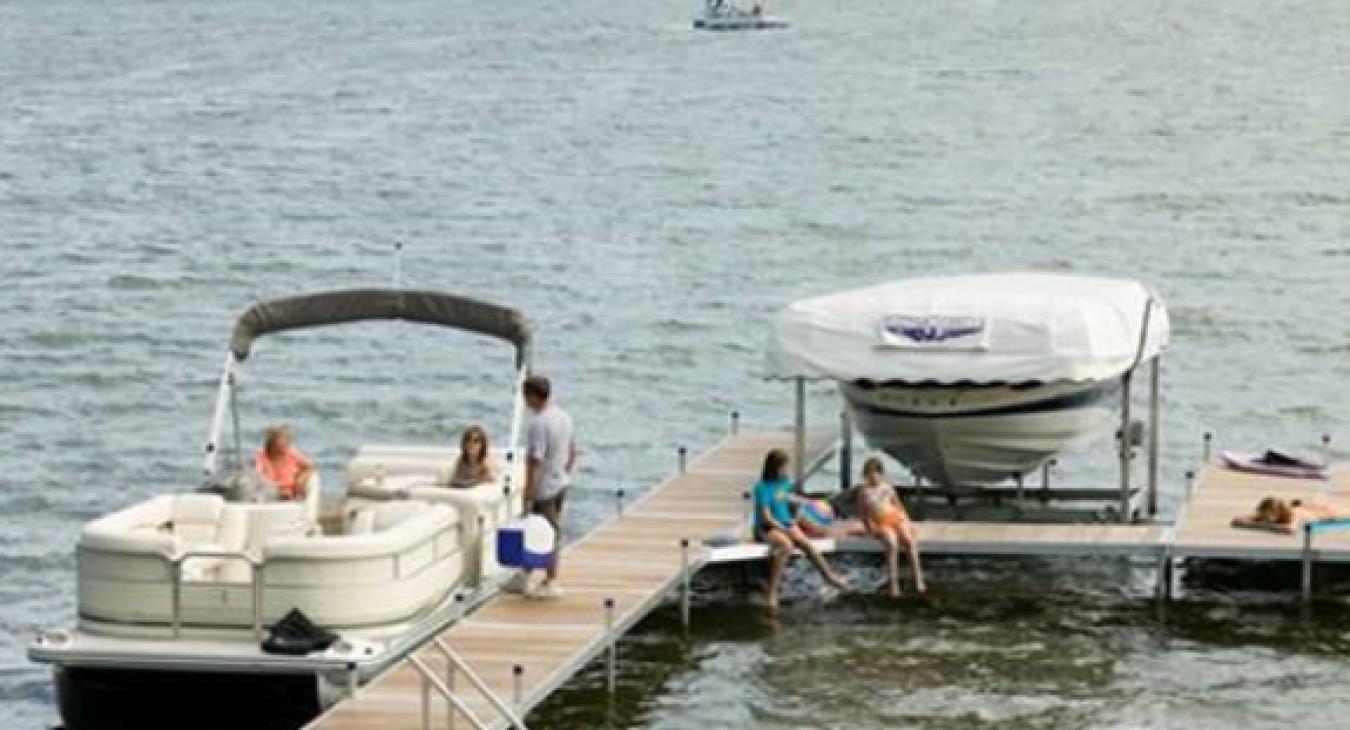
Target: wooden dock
(634,561)
(616,574)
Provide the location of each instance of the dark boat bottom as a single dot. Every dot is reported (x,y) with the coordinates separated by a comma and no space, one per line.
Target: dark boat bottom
(118,699)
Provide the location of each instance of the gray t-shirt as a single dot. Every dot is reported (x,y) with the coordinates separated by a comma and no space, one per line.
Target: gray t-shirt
(550,441)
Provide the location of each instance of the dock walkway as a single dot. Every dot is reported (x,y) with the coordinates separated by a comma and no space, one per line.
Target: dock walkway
(614,576)
(634,561)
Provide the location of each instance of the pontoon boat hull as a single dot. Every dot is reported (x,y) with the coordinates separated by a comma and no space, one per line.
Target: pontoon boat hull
(959,436)
(112,699)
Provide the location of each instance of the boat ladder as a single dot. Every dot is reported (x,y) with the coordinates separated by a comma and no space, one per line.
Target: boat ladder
(454,704)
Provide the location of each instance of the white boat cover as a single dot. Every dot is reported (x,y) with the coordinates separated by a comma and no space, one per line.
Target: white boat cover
(989,328)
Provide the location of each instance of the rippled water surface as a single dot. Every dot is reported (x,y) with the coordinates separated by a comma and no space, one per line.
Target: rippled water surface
(648,195)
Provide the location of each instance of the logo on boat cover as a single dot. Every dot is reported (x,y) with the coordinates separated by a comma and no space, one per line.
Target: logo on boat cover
(932,331)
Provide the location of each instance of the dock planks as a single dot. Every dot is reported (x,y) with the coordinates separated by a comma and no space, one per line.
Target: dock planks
(634,560)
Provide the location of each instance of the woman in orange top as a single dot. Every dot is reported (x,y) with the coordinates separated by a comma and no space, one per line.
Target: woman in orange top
(282,464)
(885,519)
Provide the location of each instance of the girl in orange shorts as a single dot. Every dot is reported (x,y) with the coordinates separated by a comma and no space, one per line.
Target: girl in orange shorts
(885,519)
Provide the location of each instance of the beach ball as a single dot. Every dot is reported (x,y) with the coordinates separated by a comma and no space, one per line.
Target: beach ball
(814,517)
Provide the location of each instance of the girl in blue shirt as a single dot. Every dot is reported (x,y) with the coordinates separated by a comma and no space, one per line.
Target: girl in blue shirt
(773,526)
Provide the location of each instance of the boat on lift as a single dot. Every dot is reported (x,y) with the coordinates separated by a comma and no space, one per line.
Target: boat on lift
(973,380)
(176,594)
(728,15)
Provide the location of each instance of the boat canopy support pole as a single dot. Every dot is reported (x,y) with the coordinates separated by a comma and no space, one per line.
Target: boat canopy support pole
(1124,444)
(845,446)
(1154,388)
(223,398)
(517,412)
(799,433)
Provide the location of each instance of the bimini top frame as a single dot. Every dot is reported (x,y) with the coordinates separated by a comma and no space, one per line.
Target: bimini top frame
(359,305)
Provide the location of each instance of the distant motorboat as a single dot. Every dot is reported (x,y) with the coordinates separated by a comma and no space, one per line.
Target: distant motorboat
(972,380)
(727,15)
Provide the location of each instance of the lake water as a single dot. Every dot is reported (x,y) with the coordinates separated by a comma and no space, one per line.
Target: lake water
(649,195)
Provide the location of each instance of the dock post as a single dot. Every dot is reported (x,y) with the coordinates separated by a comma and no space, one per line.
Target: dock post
(1021,491)
(686,587)
(735,422)
(845,447)
(1045,479)
(612,657)
(684,458)
(1164,586)
(450,709)
(1124,439)
(1154,388)
(426,703)
(1326,450)
(1190,484)
(799,434)
(1307,564)
(353,679)
(517,682)
(618,501)
(1209,442)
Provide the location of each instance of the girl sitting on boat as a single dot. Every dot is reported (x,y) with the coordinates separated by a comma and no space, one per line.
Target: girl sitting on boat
(474,465)
(886,520)
(774,526)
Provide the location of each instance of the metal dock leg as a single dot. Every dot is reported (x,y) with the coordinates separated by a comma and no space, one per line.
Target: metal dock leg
(686,588)
(1307,564)
(612,659)
(845,448)
(517,686)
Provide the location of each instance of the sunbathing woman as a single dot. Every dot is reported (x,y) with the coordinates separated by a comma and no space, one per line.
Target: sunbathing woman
(474,465)
(773,525)
(885,519)
(1278,515)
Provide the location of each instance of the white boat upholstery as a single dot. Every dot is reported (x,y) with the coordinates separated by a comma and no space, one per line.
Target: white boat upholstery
(409,558)
(421,473)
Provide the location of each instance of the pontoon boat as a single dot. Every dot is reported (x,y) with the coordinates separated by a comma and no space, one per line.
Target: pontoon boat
(176,593)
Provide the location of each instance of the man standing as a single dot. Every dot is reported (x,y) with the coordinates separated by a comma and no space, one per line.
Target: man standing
(551,459)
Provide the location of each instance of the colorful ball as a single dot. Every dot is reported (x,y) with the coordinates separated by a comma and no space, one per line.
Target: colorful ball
(815,516)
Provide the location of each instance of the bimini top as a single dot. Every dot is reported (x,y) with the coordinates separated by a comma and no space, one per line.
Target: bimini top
(991,328)
(355,305)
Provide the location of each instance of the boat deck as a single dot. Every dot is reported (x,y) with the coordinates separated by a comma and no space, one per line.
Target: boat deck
(635,561)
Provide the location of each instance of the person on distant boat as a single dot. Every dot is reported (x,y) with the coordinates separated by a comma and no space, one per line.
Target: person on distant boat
(474,465)
(774,526)
(551,460)
(1278,515)
(282,464)
(886,519)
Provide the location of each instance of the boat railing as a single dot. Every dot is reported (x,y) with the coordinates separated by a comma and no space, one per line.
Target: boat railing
(446,688)
(176,563)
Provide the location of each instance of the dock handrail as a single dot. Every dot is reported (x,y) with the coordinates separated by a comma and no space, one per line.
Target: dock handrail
(497,703)
(429,680)
(454,661)
(176,573)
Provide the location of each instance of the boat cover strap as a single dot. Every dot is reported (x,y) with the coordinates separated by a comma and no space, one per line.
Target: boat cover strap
(354,305)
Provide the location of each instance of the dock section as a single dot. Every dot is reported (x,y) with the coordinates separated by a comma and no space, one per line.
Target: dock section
(523,649)
(509,655)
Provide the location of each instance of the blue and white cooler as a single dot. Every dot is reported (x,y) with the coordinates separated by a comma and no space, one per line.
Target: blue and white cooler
(526,543)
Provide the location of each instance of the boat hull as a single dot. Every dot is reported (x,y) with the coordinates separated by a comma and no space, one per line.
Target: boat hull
(747,22)
(97,698)
(969,436)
